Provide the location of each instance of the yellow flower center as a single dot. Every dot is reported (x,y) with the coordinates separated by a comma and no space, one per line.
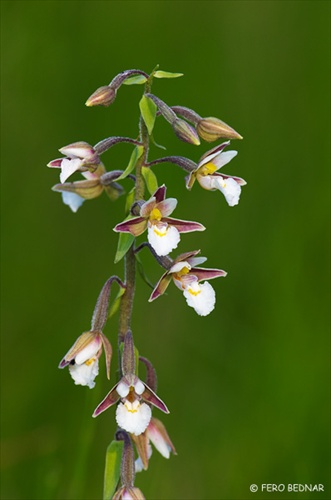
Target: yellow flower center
(155,215)
(158,233)
(194,292)
(131,410)
(89,361)
(207,169)
(182,272)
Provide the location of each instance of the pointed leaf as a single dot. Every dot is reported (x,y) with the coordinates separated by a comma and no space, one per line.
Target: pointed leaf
(115,305)
(156,144)
(150,179)
(112,468)
(125,241)
(136,154)
(135,80)
(166,74)
(148,111)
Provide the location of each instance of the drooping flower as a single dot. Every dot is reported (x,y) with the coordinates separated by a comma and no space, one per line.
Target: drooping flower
(156,434)
(83,357)
(187,277)
(208,177)
(128,493)
(132,414)
(79,156)
(163,231)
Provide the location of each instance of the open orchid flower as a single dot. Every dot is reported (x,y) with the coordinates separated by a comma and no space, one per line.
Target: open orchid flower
(163,231)
(132,414)
(187,278)
(79,156)
(83,357)
(208,177)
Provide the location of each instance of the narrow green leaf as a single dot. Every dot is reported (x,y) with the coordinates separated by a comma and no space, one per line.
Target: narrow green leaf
(115,305)
(125,241)
(166,74)
(150,179)
(148,111)
(112,468)
(136,154)
(135,80)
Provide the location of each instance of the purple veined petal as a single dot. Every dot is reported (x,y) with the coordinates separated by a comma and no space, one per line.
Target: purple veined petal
(212,153)
(184,226)
(150,397)
(147,207)
(160,194)
(186,256)
(111,398)
(55,163)
(135,226)
(224,158)
(238,180)
(207,274)
(167,206)
(161,287)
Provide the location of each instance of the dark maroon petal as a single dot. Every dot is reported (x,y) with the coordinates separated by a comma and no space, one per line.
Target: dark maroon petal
(111,398)
(207,274)
(135,226)
(55,163)
(161,286)
(160,193)
(150,396)
(184,226)
(64,363)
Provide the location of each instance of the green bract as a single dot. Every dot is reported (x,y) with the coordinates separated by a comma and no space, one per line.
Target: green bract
(112,468)
(148,111)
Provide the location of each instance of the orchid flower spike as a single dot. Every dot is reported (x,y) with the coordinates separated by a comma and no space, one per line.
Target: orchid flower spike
(79,156)
(187,277)
(132,414)
(83,357)
(163,231)
(208,177)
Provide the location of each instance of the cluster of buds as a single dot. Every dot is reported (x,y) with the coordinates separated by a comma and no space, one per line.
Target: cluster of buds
(135,398)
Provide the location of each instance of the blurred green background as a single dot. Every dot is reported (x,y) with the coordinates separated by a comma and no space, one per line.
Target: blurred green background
(247,386)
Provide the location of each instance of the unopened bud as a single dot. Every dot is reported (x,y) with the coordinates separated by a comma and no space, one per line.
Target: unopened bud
(103,96)
(185,132)
(211,129)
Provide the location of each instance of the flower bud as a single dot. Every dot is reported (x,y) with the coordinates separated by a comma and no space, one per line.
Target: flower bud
(185,132)
(210,129)
(103,96)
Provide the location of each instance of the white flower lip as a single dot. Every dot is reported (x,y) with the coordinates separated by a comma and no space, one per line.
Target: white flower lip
(133,417)
(201,297)
(163,238)
(73,200)
(85,374)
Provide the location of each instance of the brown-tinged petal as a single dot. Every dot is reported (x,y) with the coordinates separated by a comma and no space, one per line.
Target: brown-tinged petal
(86,189)
(111,398)
(186,256)
(161,286)
(82,341)
(141,443)
(108,353)
(150,397)
(184,226)
(209,155)
(207,274)
(147,207)
(135,226)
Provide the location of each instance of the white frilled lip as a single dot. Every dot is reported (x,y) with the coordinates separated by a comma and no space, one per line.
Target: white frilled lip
(73,200)
(85,373)
(133,417)
(201,297)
